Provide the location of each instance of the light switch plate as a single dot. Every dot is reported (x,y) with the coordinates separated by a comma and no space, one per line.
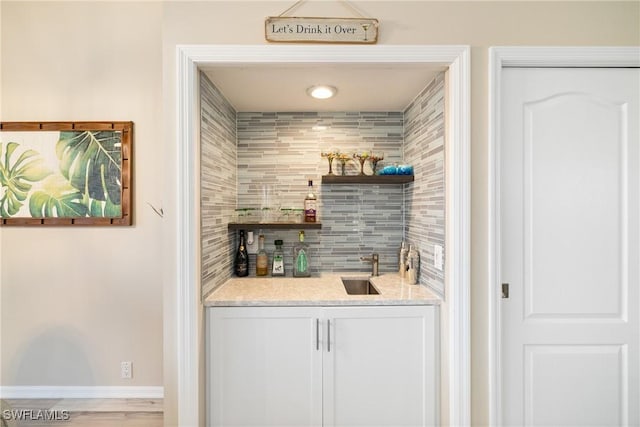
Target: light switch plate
(437,257)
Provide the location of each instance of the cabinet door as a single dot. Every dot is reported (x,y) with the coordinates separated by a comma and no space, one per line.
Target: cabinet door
(380,368)
(264,367)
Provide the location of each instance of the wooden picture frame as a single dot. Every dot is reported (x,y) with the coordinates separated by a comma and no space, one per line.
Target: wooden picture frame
(65,173)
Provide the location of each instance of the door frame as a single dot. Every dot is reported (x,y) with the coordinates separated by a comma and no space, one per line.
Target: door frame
(184,227)
(499,58)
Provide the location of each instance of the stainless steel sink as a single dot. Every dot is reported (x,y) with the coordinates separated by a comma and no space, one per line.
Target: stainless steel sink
(359,286)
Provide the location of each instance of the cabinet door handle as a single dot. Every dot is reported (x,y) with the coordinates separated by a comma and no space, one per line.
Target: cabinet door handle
(317,334)
(328,335)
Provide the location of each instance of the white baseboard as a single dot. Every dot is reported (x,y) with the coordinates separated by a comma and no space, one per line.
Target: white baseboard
(80,392)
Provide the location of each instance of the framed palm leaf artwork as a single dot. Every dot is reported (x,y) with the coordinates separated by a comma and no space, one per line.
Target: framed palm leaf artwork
(65,173)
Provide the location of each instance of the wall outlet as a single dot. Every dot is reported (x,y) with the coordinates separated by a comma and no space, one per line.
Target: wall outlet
(437,257)
(126,370)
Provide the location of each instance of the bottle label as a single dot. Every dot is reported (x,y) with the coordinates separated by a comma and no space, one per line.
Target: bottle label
(242,269)
(278,265)
(310,211)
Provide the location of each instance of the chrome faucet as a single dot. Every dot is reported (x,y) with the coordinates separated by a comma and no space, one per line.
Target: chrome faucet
(373,259)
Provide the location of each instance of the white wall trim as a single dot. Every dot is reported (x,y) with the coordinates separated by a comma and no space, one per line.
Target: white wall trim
(81,392)
(499,58)
(188,306)
(458,241)
(187,292)
(540,56)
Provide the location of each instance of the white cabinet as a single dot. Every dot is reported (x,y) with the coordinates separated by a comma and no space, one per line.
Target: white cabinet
(331,366)
(264,367)
(381,369)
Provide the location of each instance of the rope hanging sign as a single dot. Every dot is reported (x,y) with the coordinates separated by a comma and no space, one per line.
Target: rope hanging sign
(292,29)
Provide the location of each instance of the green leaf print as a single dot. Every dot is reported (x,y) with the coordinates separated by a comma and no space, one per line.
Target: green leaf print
(17,179)
(91,161)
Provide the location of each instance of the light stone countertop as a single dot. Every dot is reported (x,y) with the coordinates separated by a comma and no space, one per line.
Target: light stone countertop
(323,290)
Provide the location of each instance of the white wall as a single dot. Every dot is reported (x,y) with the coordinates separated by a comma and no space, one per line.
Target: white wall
(78,300)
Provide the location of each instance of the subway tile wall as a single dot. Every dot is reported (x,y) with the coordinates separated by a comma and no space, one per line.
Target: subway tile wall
(282,150)
(218,184)
(425,198)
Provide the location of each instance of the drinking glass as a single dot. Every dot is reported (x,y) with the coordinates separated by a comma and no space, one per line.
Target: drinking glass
(362,158)
(376,156)
(330,155)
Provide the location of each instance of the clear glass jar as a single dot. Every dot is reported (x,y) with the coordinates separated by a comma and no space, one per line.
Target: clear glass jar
(297,215)
(284,215)
(253,215)
(267,215)
(240,215)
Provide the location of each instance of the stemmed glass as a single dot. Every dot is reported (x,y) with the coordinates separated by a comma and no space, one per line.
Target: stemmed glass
(330,155)
(375,157)
(343,158)
(362,158)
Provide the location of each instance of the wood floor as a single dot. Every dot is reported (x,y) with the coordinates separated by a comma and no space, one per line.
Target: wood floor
(82,412)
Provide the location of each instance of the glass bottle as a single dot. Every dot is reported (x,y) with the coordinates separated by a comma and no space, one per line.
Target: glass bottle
(310,204)
(402,260)
(277,266)
(413,265)
(301,257)
(241,261)
(262,260)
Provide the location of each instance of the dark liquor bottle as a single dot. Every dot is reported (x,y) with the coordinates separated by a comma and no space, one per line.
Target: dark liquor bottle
(241,262)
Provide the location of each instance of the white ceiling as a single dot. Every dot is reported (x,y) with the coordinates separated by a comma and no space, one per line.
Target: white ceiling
(370,87)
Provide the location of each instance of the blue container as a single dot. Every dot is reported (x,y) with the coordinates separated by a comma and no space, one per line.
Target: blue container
(389,170)
(405,170)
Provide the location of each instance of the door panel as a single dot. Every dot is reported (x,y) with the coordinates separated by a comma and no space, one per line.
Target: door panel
(572,188)
(558,393)
(570,246)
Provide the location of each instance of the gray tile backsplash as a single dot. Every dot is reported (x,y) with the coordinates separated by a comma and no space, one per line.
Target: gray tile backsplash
(425,197)
(218,193)
(242,152)
(283,150)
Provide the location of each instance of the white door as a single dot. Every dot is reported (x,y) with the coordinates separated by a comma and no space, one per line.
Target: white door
(380,366)
(570,247)
(264,366)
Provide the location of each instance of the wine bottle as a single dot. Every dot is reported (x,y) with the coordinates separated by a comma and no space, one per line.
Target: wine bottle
(310,205)
(241,262)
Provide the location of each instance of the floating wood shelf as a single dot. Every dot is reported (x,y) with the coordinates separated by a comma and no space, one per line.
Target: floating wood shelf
(367,179)
(274,225)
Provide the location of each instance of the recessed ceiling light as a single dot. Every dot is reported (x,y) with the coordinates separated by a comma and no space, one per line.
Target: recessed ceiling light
(322,91)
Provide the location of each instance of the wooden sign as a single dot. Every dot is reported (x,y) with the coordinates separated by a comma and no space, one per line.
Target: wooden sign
(321,30)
